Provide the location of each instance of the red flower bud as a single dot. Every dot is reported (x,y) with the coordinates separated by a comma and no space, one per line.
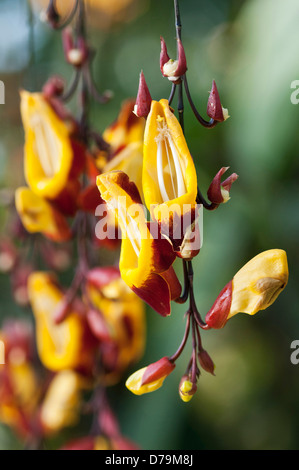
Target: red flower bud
(219,192)
(53,87)
(206,362)
(214,107)
(144,99)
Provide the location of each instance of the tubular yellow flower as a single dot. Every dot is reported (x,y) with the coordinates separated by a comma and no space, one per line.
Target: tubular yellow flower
(60,346)
(150,378)
(255,287)
(48,148)
(61,404)
(145,260)
(169,177)
(38,215)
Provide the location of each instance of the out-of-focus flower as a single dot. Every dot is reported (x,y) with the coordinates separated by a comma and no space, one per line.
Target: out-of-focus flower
(101,442)
(118,322)
(101,13)
(8,255)
(255,287)
(67,345)
(169,177)
(150,378)
(145,260)
(61,406)
(19,283)
(52,156)
(39,216)
(125,137)
(218,192)
(19,385)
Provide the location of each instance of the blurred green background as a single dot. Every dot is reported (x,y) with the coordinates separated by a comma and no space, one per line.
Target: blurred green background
(250,48)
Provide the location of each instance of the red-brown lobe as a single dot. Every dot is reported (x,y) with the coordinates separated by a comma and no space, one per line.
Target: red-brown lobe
(217,315)
(157,370)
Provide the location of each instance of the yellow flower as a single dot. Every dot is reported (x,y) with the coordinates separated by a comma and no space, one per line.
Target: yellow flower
(48,148)
(255,287)
(61,405)
(60,346)
(125,137)
(145,260)
(150,378)
(169,177)
(38,215)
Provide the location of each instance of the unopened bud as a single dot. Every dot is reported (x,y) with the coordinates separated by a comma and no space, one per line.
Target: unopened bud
(214,108)
(206,362)
(75,54)
(144,99)
(53,87)
(173,69)
(219,192)
(186,389)
(150,378)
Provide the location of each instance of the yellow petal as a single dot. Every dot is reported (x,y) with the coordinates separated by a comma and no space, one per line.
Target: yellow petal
(169,175)
(135,380)
(48,150)
(59,346)
(257,285)
(38,215)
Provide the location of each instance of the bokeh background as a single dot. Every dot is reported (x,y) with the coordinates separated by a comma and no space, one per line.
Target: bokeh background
(250,48)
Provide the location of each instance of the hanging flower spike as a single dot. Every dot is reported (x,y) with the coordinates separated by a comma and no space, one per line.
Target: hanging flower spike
(67,345)
(145,261)
(173,69)
(169,177)
(48,148)
(150,378)
(255,287)
(143,101)
(218,192)
(40,216)
(214,108)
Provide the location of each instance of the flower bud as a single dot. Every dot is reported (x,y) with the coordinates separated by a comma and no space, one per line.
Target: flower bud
(214,108)
(75,54)
(186,389)
(219,192)
(53,87)
(255,287)
(206,362)
(144,100)
(173,69)
(150,378)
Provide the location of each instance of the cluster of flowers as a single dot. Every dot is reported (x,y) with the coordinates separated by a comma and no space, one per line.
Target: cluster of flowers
(88,335)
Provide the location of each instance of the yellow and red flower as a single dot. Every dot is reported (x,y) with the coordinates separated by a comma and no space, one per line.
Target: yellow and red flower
(169,178)
(67,345)
(150,378)
(146,258)
(255,287)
